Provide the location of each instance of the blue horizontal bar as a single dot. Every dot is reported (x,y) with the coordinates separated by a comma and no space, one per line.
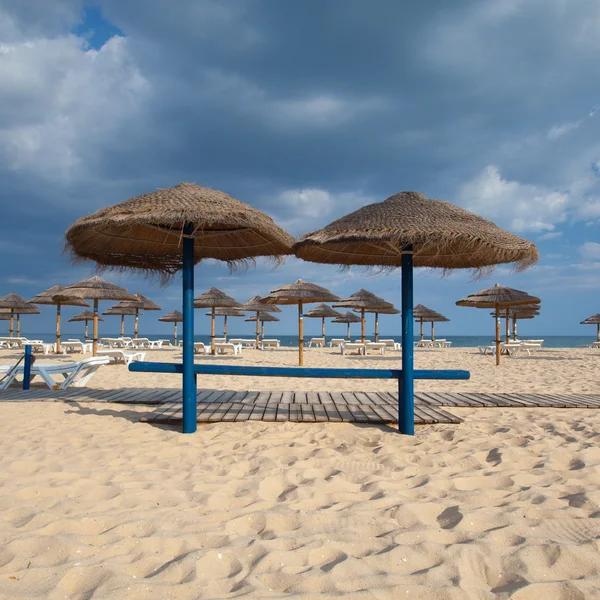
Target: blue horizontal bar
(159,367)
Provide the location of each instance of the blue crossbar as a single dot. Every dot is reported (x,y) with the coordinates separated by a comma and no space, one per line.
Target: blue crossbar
(161,367)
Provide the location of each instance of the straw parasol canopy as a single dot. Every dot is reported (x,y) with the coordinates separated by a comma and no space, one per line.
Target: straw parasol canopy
(348,318)
(390,310)
(31,309)
(427,315)
(95,289)
(257,305)
(593,320)
(300,293)
(225,312)
(174,317)
(140,303)
(322,312)
(86,315)
(121,310)
(262,318)
(439,233)
(52,297)
(213,299)
(498,297)
(145,232)
(13,302)
(516,314)
(363,300)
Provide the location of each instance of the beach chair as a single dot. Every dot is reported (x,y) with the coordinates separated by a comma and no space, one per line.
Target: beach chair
(75,374)
(529,346)
(14,342)
(223,348)
(316,342)
(200,348)
(391,344)
(270,344)
(113,342)
(140,342)
(336,342)
(163,343)
(510,348)
(118,356)
(361,342)
(155,343)
(246,343)
(487,350)
(75,346)
(349,347)
(378,347)
(220,340)
(41,347)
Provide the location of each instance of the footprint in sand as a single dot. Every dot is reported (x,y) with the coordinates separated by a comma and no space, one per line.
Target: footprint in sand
(576,500)
(494,457)
(576,464)
(450,517)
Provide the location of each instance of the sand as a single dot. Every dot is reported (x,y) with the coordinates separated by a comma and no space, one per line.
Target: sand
(95,505)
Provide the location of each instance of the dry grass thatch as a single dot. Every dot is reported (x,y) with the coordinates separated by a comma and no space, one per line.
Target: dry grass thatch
(322,311)
(141,303)
(263,318)
(54,294)
(118,310)
(441,235)
(422,313)
(32,309)
(14,301)
(86,315)
(498,297)
(386,310)
(175,316)
(593,320)
(516,314)
(300,291)
(256,304)
(145,233)
(364,300)
(215,298)
(95,288)
(347,317)
(226,312)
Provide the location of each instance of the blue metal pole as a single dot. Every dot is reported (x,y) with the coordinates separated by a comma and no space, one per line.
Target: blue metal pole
(406,388)
(189,380)
(27,367)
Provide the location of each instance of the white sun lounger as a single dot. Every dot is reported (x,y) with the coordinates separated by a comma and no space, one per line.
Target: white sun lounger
(122,356)
(75,346)
(200,348)
(486,349)
(113,342)
(41,347)
(391,344)
(270,344)
(348,347)
(336,342)
(75,374)
(377,346)
(316,342)
(220,340)
(224,348)
(247,343)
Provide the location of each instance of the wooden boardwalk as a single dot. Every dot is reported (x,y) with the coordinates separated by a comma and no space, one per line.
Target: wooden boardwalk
(357,407)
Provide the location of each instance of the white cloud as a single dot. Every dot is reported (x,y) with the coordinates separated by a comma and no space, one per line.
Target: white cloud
(590,251)
(558,131)
(520,207)
(551,235)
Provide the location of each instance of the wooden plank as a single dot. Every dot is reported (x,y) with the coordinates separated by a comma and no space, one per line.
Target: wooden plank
(275,398)
(155,413)
(262,398)
(215,396)
(227,396)
(232,413)
(388,398)
(371,415)
(202,395)
(362,398)
(288,412)
(245,412)
(357,414)
(220,411)
(384,413)
(206,409)
(258,411)
(374,398)
(422,417)
(332,412)
(343,411)
(325,398)
(300,398)
(308,414)
(337,398)
(350,398)
(312,397)
(270,413)
(320,413)
(250,397)
(287,397)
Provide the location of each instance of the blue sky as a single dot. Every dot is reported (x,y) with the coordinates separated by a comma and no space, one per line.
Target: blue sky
(307,111)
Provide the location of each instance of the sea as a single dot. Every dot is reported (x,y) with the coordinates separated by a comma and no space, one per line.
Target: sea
(458,341)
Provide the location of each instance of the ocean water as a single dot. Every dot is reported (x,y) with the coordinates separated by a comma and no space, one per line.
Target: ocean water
(458,341)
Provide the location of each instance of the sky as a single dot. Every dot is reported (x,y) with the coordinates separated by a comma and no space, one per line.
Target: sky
(307,111)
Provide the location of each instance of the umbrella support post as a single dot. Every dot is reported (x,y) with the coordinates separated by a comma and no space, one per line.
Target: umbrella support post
(262,330)
(421,335)
(507,327)
(225,327)
(323,327)
(123,325)
(12,322)
(406,400)
(27,367)
(300,335)
(86,331)
(514,328)
(18,325)
(362,325)
(348,334)
(95,329)
(598,332)
(175,333)
(58,328)
(497,337)
(137,323)
(376,327)
(212,331)
(257,332)
(189,380)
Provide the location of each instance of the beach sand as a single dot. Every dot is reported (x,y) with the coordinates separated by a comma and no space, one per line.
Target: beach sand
(95,505)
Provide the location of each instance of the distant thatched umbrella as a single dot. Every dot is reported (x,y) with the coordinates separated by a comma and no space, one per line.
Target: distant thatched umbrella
(120,310)
(593,320)
(348,318)
(140,303)
(13,302)
(256,305)
(300,293)
(30,310)
(170,230)
(86,315)
(322,312)
(427,315)
(95,289)
(225,313)
(391,310)
(363,300)
(262,318)
(410,230)
(516,314)
(173,317)
(498,298)
(213,299)
(48,297)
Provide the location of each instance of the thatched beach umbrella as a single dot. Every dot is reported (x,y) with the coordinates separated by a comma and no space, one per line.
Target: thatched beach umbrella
(322,312)
(498,298)
(408,230)
(256,305)
(427,315)
(140,303)
(50,297)
(593,320)
(348,318)
(120,310)
(262,318)
(300,293)
(213,299)
(225,313)
(86,315)
(391,310)
(17,312)
(171,230)
(525,311)
(95,289)
(173,317)
(13,303)
(361,301)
